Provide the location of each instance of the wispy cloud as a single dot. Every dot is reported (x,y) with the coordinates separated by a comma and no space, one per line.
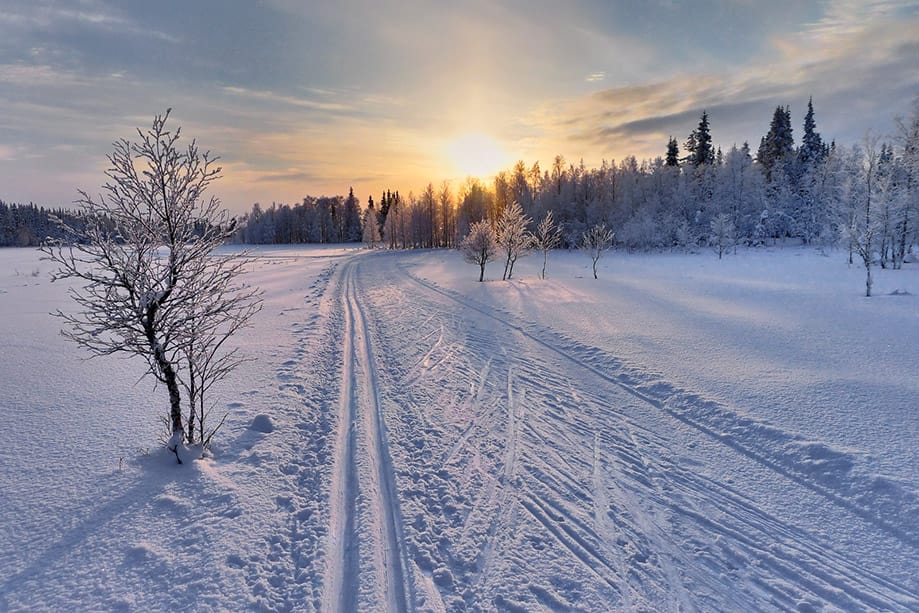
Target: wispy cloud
(297,176)
(874,52)
(288,100)
(50,16)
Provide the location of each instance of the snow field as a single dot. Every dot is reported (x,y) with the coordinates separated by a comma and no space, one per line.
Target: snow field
(681,434)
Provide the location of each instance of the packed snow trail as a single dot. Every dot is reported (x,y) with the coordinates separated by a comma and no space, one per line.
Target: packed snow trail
(507,468)
(365,564)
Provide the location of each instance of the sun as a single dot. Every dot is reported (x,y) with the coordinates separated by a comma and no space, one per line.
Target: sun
(475,154)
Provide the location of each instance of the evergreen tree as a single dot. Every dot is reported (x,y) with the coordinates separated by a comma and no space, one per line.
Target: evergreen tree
(812,149)
(690,147)
(704,153)
(778,144)
(673,153)
(351,220)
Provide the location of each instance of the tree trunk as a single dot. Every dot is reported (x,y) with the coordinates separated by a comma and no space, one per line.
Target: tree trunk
(545,257)
(167,372)
(481,272)
(192,394)
(868,279)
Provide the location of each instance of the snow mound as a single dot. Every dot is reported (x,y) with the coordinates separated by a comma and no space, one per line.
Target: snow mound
(262,423)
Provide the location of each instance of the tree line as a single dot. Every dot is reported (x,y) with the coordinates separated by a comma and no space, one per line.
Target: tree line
(27,225)
(695,195)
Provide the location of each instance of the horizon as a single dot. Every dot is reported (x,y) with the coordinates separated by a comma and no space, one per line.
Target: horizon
(309,101)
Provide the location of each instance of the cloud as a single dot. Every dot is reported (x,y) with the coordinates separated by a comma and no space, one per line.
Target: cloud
(861,74)
(283,99)
(299,176)
(91,14)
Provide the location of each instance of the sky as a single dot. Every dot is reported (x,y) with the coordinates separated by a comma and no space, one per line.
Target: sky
(305,97)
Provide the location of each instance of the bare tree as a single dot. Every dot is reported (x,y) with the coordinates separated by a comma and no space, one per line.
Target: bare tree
(152,284)
(547,237)
(512,236)
(479,246)
(864,225)
(595,241)
(908,135)
(722,236)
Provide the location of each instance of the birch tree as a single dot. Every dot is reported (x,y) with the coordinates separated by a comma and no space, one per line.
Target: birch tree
(479,246)
(152,285)
(547,237)
(597,240)
(512,236)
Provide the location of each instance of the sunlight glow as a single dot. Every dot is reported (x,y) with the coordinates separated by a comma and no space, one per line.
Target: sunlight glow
(477,155)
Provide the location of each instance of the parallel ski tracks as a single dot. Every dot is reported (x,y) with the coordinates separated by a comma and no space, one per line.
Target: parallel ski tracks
(366,559)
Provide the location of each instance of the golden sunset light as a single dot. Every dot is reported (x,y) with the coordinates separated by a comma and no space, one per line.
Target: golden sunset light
(411,305)
(474,154)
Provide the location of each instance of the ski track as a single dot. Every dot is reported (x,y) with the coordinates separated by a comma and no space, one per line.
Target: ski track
(645,550)
(459,462)
(365,562)
(691,410)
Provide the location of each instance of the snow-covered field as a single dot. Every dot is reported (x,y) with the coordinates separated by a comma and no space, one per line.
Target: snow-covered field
(681,434)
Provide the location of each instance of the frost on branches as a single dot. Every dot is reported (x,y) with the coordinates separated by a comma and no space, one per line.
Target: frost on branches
(152,285)
(480,246)
(512,236)
(595,241)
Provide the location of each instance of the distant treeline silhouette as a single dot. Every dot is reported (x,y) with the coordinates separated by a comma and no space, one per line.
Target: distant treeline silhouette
(27,225)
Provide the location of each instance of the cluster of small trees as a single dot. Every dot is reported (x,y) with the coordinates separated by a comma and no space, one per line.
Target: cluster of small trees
(511,239)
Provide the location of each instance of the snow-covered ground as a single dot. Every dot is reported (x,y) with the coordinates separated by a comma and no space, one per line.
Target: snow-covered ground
(682,434)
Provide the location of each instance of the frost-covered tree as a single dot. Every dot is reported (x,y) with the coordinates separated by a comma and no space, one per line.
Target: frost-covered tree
(351,230)
(547,237)
(722,234)
(863,224)
(480,246)
(371,225)
(906,226)
(595,241)
(512,236)
(153,286)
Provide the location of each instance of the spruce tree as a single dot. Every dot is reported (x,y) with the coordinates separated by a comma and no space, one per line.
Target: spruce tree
(673,153)
(778,144)
(699,144)
(812,148)
(351,222)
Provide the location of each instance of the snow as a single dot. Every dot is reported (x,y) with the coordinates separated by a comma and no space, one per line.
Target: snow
(682,433)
